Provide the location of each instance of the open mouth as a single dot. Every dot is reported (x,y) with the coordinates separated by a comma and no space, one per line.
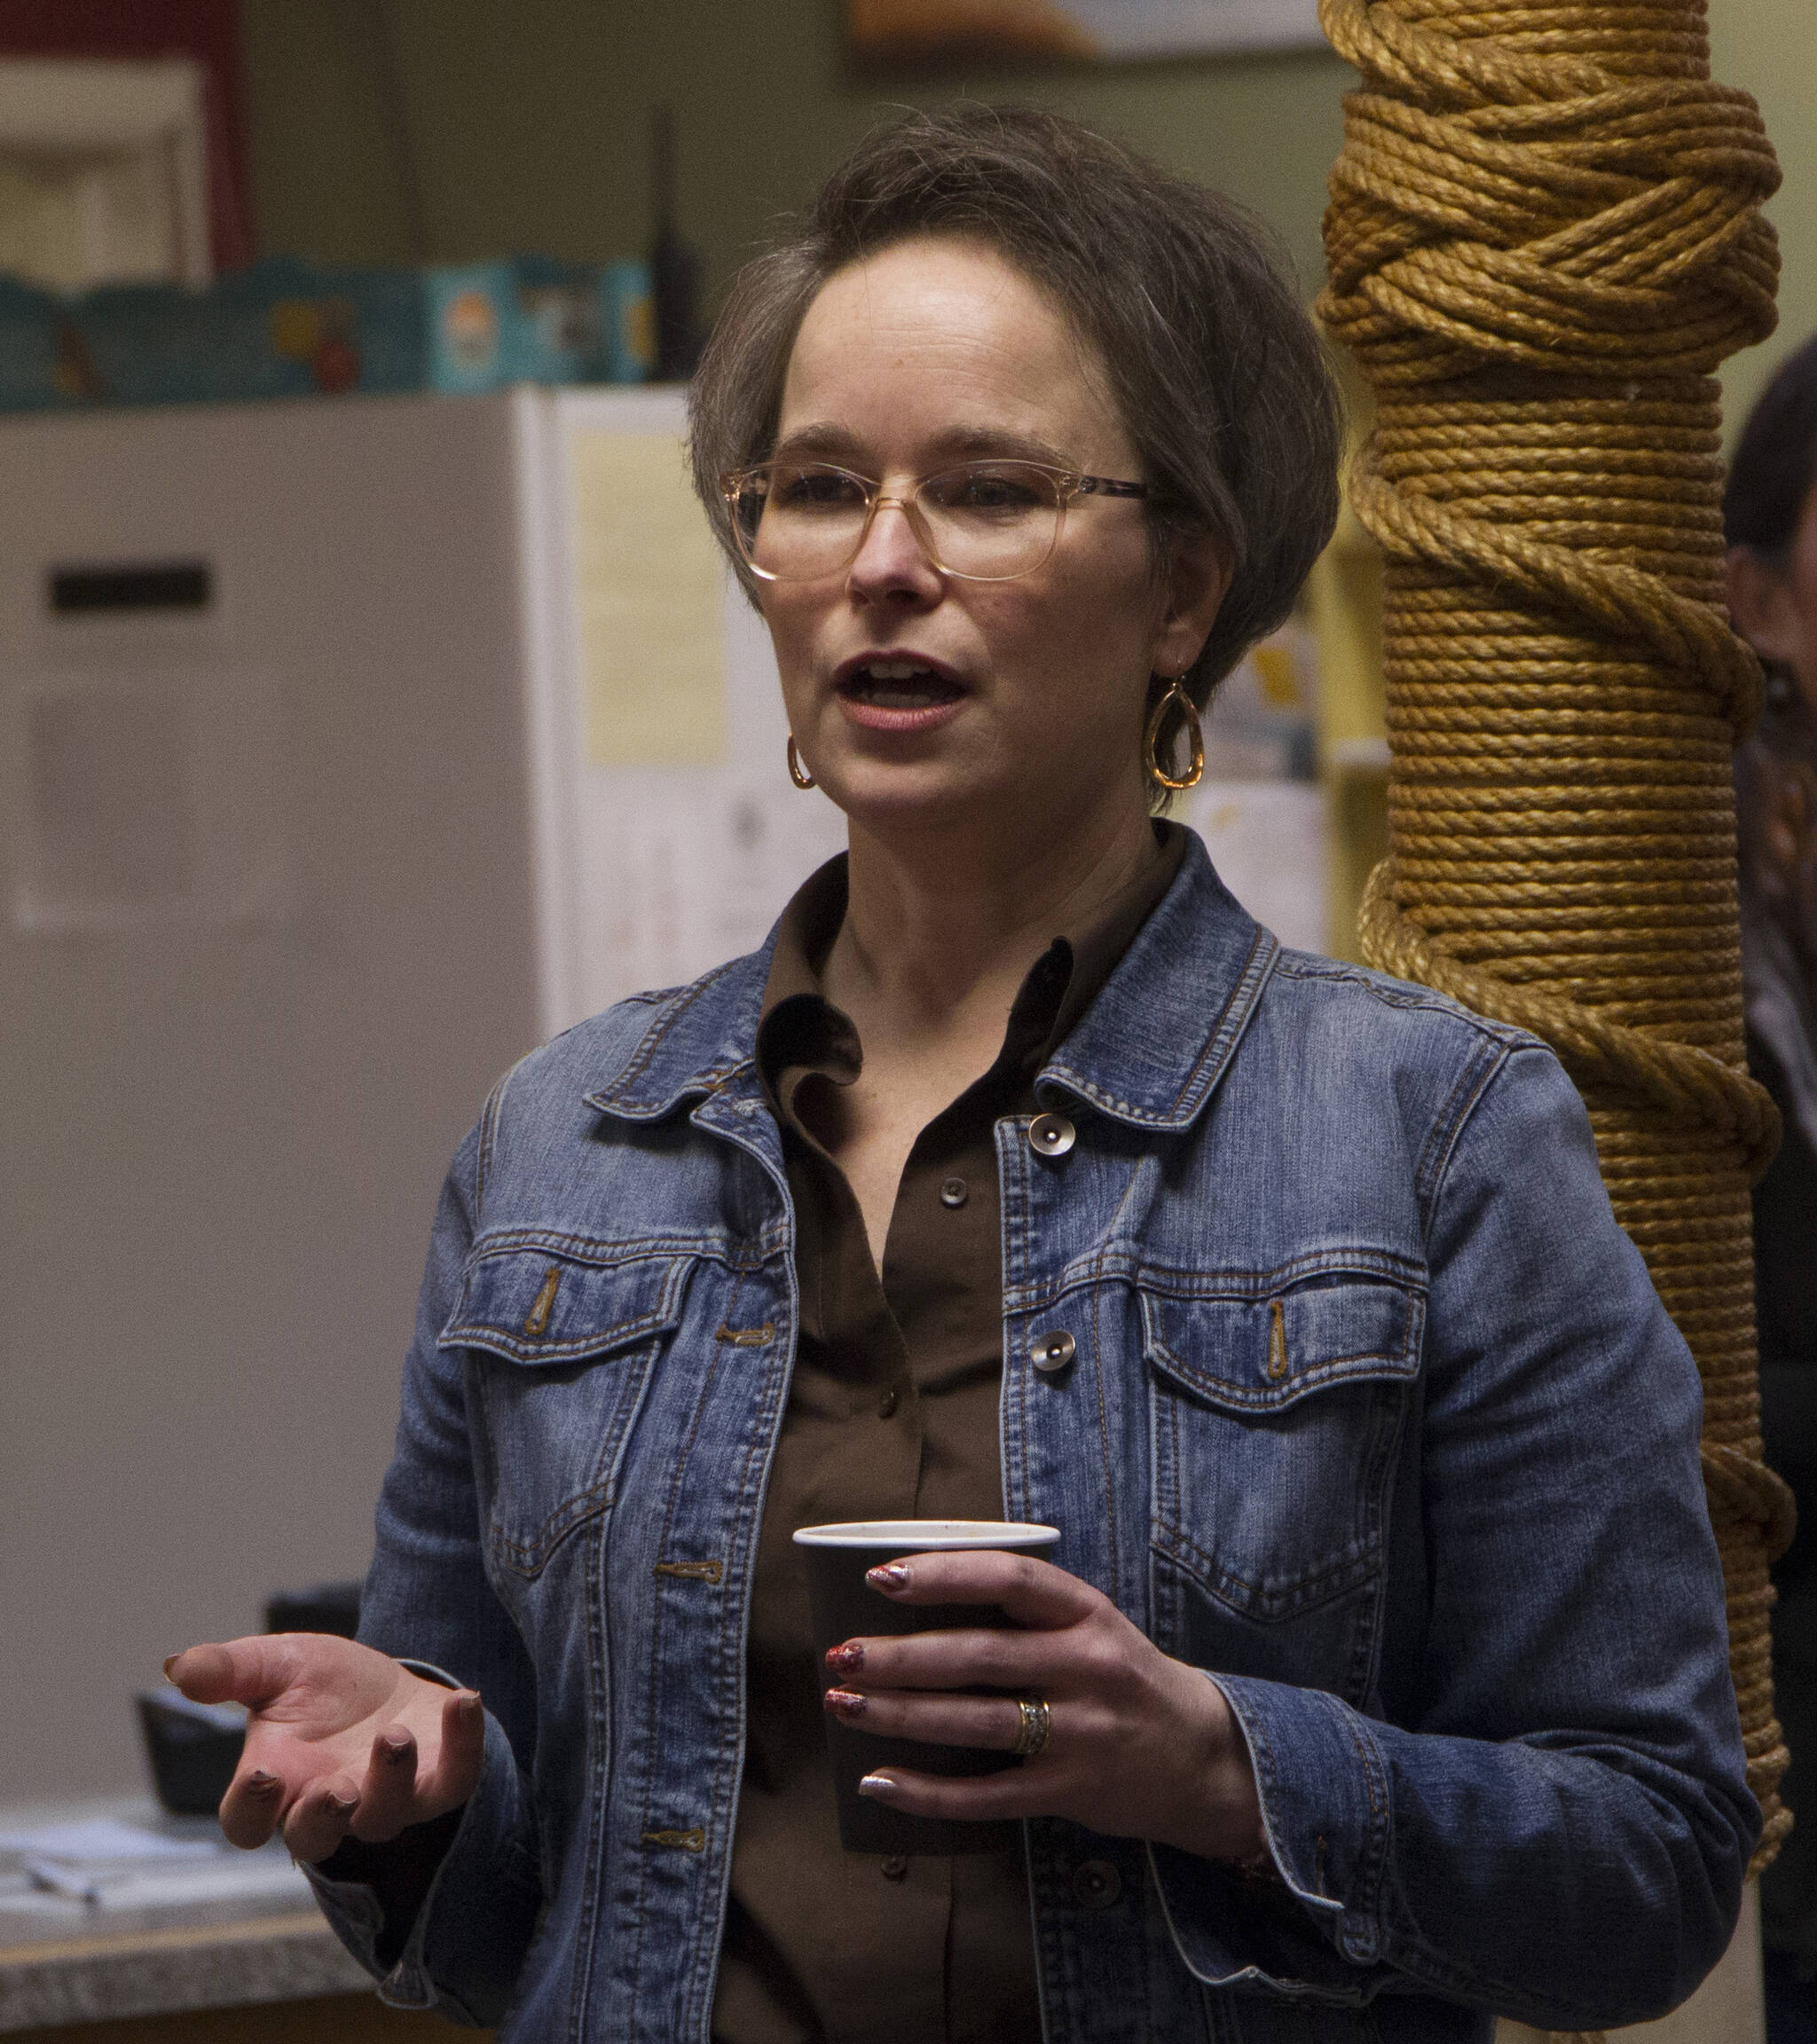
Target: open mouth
(899,685)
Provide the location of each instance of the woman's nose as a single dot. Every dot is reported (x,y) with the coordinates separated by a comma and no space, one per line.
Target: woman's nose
(893,558)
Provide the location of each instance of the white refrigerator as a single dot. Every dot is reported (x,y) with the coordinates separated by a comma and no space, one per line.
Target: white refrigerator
(348,750)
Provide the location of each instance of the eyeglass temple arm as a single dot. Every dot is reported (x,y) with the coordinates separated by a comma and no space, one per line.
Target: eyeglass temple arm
(1108,486)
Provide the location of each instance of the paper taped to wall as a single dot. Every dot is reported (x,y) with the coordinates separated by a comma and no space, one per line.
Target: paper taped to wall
(649,589)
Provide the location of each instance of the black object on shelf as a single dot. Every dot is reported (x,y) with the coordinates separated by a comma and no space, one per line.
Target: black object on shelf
(193,1749)
(327,1607)
(674,268)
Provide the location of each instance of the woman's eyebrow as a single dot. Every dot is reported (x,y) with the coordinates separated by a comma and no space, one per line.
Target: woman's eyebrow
(823,441)
(996,443)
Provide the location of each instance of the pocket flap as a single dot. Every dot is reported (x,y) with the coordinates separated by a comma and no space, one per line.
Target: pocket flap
(540,1306)
(1267,1351)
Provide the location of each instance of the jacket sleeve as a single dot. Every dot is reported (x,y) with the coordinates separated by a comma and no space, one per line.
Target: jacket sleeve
(427,1600)
(1558,1824)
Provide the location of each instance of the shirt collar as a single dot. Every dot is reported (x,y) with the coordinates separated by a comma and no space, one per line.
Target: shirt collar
(1149,1053)
(800,1027)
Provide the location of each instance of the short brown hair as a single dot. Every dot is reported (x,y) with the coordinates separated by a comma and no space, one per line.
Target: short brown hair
(1223,383)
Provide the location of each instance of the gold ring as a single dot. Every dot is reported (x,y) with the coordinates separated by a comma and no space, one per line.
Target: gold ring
(1037,1722)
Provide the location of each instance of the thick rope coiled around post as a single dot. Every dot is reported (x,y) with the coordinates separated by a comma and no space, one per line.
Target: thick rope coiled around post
(1544,233)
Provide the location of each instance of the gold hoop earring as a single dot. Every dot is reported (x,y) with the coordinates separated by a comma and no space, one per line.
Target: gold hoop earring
(1177,698)
(798,772)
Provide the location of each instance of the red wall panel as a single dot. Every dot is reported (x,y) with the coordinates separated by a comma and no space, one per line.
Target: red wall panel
(207,30)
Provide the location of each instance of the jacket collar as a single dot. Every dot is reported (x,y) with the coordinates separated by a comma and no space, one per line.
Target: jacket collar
(1148,1051)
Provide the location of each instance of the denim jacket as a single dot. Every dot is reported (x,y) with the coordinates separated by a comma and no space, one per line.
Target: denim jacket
(1373,1414)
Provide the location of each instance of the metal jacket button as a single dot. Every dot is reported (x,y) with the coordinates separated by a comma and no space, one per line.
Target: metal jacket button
(953,1192)
(894,1867)
(1051,1134)
(1053,1350)
(1097,1884)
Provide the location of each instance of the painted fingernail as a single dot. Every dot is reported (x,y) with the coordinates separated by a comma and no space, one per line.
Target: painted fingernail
(259,1783)
(170,1661)
(847,1703)
(877,1785)
(888,1575)
(845,1659)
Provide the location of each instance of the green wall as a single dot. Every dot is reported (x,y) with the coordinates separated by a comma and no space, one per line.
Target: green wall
(393,130)
(527,122)
(1769,48)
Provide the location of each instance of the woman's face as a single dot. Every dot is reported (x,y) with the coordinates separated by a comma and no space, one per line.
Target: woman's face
(914,696)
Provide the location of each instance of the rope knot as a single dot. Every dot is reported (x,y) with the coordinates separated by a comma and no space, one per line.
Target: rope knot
(1495,204)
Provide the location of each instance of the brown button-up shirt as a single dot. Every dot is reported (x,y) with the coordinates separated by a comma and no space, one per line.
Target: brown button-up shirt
(891,1414)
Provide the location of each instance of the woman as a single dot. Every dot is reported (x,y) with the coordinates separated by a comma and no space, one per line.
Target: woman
(1770,519)
(1381,1661)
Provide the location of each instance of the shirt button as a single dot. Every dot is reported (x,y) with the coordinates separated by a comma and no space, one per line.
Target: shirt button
(887,1405)
(1053,1350)
(1051,1134)
(1097,1884)
(953,1192)
(895,1868)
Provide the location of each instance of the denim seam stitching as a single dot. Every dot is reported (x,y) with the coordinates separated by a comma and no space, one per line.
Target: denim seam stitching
(1357,1261)
(652,1040)
(1233,1282)
(600,1253)
(653,1718)
(1376,1853)
(1322,1586)
(717,1829)
(1104,1437)
(734,1621)
(488,1144)
(1207,1068)
(1245,997)
(1232,1396)
(529,1558)
(1403,994)
(1441,1145)
(495,1340)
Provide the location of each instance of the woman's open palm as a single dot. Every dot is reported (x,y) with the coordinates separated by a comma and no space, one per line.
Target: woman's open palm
(340,1739)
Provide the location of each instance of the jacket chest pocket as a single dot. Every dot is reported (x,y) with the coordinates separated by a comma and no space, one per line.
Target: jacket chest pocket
(560,1350)
(1277,1418)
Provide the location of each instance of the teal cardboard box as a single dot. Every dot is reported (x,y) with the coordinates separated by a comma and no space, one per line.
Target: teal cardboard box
(627,324)
(552,328)
(575,323)
(443,329)
(34,373)
(282,329)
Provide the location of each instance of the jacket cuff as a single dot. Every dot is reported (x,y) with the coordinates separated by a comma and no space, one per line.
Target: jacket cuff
(484,1898)
(1312,1933)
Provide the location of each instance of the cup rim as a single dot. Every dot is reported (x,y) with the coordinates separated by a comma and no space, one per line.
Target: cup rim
(926,1536)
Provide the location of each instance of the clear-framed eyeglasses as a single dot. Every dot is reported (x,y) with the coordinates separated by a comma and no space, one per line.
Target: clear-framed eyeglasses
(981,521)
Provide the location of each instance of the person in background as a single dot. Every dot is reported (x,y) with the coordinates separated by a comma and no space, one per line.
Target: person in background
(1379,1683)
(1770,522)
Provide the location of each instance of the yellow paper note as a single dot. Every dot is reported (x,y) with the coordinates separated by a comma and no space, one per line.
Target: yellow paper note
(650,589)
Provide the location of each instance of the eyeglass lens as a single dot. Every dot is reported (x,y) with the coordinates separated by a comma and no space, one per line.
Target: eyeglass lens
(986,521)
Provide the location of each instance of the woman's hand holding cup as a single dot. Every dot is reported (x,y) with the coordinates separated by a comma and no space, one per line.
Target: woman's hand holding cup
(340,1740)
(1137,1745)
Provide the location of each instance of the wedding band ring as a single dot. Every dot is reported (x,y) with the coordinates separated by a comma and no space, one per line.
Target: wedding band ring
(1037,1722)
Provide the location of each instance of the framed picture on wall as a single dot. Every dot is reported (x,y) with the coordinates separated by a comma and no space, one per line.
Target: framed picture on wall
(920,31)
